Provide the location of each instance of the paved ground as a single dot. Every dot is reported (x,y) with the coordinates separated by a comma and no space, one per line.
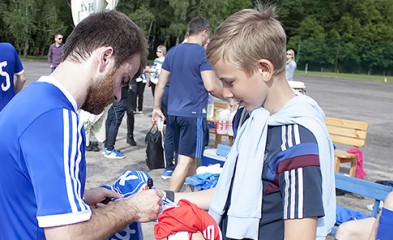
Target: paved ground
(357,100)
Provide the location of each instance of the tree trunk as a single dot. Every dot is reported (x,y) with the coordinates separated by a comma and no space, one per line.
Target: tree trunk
(337,54)
(26,49)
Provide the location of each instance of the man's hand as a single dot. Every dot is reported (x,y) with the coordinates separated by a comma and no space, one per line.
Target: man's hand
(146,205)
(97,195)
(157,113)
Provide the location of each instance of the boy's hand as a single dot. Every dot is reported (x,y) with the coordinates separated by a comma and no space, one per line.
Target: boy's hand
(197,236)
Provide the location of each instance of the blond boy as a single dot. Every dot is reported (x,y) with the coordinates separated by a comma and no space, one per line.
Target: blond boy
(283,140)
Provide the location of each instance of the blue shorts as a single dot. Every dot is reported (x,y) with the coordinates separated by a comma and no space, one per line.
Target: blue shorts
(385,227)
(188,135)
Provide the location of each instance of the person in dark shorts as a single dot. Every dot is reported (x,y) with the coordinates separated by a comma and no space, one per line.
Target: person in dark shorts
(191,78)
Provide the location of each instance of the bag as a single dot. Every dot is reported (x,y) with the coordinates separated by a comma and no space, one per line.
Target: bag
(154,150)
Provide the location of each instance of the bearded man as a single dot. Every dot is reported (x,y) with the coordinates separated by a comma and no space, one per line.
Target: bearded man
(42,143)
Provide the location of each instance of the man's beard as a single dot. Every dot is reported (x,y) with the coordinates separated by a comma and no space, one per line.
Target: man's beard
(100,94)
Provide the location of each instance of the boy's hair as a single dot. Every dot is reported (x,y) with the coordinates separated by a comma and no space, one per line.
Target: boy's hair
(248,36)
(110,28)
(163,49)
(197,25)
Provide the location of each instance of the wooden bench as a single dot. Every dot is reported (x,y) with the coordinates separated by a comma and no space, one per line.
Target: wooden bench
(218,106)
(372,190)
(346,132)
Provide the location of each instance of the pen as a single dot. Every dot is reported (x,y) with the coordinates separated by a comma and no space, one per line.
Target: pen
(106,200)
(150,183)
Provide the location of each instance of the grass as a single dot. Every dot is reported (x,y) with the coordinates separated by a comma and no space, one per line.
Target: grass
(351,76)
(34,58)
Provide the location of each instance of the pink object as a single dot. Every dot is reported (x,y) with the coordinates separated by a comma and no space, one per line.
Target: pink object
(360,173)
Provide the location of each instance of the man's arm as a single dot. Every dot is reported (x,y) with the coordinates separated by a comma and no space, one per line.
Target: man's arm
(20,82)
(302,229)
(210,82)
(158,93)
(107,220)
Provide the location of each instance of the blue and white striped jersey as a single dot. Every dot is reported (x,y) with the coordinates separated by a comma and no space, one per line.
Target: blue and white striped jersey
(42,162)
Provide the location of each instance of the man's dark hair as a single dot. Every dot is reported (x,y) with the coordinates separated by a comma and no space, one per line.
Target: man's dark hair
(197,25)
(110,28)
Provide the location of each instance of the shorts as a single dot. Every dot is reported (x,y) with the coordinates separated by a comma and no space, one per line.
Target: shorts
(188,135)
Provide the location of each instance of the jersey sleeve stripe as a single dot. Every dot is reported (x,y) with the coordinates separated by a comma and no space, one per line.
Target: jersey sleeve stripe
(78,160)
(300,192)
(293,193)
(298,162)
(283,137)
(19,73)
(293,152)
(66,158)
(289,133)
(71,161)
(286,194)
(63,219)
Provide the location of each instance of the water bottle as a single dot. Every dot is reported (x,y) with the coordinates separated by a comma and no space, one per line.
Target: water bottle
(229,121)
(222,124)
(210,107)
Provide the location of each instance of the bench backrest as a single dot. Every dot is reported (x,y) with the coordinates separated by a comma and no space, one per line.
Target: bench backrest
(348,132)
(365,188)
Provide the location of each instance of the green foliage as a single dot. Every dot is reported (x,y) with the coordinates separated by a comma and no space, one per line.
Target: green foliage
(143,17)
(340,35)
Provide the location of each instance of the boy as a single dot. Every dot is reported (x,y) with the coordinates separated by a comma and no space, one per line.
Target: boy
(282,140)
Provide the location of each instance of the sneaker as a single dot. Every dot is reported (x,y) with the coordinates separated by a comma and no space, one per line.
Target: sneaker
(166,174)
(95,147)
(131,141)
(103,151)
(89,148)
(114,154)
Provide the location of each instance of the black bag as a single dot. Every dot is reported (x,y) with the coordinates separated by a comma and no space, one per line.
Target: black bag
(154,150)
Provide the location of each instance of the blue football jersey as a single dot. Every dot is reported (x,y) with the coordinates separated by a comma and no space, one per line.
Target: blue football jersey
(42,162)
(10,64)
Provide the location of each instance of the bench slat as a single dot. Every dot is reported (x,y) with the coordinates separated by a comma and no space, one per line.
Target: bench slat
(346,123)
(348,141)
(349,132)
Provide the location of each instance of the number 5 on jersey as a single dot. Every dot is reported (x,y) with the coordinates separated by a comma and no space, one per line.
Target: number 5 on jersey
(7,84)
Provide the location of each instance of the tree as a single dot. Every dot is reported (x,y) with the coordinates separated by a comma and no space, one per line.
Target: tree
(20,21)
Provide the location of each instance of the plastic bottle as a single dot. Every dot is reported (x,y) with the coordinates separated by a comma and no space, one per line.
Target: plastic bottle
(222,124)
(229,121)
(210,107)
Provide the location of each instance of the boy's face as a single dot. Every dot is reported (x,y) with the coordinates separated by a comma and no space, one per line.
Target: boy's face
(248,91)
